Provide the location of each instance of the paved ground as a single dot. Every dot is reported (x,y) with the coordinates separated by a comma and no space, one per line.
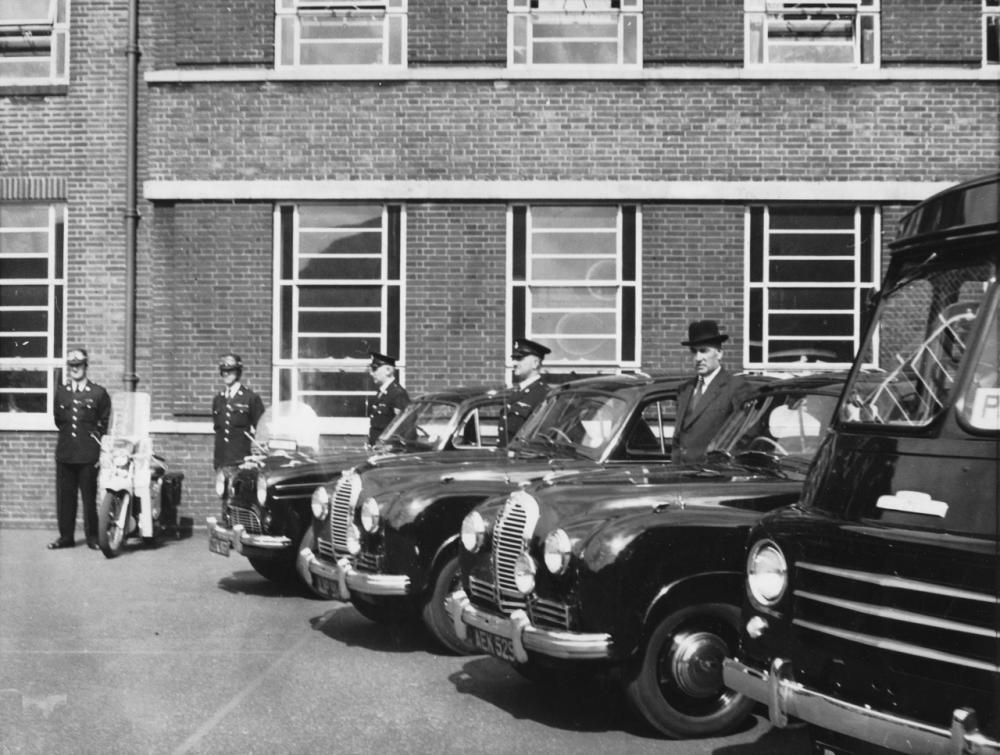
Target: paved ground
(175,650)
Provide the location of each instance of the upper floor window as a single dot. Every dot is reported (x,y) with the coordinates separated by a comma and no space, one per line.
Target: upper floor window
(574,276)
(843,32)
(574,32)
(337,297)
(32,287)
(991,32)
(335,33)
(34,40)
(809,273)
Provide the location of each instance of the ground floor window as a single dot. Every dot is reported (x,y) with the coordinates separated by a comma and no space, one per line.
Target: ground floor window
(574,279)
(809,272)
(338,296)
(32,290)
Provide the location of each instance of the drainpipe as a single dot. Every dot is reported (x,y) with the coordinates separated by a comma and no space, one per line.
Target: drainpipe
(131,212)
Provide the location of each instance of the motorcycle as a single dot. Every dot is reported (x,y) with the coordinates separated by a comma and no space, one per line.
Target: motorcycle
(131,476)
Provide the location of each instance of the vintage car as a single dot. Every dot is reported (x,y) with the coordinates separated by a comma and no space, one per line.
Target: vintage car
(265,501)
(641,571)
(872,607)
(387,537)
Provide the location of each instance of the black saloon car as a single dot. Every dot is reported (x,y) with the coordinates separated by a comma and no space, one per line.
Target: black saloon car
(266,500)
(640,570)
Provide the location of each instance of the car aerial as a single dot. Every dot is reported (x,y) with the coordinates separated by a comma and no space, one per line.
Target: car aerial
(872,606)
(266,500)
(387,538)
(640,570)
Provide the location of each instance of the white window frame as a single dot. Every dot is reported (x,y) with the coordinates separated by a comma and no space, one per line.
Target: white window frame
(54,24)
(522,13)
(757,48)
(331,424)
(991,16)
(553,363)
(51,363)
(859,287)
(290,15)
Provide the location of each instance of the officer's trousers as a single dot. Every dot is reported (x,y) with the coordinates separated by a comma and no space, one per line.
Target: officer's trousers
(71,478)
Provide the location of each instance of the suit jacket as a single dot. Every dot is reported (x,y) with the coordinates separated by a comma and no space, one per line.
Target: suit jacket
(232,419)
(518,408)
(695,428)
(383,408)
(82,418)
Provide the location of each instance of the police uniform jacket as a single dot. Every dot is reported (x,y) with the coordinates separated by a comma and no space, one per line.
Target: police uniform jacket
(82,418)
(696,427)
(519,407)
(232,419)
(383,407)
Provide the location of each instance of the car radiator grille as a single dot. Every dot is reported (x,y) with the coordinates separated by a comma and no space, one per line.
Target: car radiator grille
(247,518)
(341,513)
(918,619)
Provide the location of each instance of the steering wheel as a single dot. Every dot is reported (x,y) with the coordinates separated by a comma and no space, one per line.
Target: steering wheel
(770,443)
(549,432)
(421,433)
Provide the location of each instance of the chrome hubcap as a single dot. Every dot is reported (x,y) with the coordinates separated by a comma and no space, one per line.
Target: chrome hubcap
(696,663)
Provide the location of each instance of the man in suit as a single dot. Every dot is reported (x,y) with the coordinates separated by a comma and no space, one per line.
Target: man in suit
(704,402)
(390,399)
(531,389)
(82,411)
(236,410)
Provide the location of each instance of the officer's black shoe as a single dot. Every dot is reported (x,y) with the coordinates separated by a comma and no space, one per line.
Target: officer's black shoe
(92,543)
(60,543)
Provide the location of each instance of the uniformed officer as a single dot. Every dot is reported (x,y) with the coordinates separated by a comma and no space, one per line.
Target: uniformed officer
(82,411)
(391,398)
(531,389)
(235,412)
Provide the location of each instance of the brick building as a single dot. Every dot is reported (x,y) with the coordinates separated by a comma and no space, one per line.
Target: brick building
(433,179)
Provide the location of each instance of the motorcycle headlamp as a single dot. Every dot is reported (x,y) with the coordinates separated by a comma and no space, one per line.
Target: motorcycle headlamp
(524,574)
(767,573)
(261,489)
(120,459)
(220,484)
(353,540)
(473,532)
(557,551)
(370,515)
(320,503)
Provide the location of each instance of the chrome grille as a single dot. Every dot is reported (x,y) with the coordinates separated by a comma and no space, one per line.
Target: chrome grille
(342,511)
(247,518)
(510,536)
(482,591)
(548,613)
(325,548)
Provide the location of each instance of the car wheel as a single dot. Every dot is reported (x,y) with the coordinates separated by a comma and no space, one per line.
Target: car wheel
(676,682)
(275,571)
(308,541)
(437,620)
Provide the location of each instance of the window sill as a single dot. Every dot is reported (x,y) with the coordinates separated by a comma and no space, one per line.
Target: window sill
(494,73)
(8,89)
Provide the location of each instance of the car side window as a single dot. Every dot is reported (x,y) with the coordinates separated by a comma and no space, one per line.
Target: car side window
(651,433)
(479,427)
(980,405)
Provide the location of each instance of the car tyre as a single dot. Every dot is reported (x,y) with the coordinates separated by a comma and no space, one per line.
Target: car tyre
(113,515)
(437,620)
(675,684)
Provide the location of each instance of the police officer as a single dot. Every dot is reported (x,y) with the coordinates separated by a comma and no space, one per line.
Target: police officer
(531,389)
(235,412)
(391,398)
(82,411)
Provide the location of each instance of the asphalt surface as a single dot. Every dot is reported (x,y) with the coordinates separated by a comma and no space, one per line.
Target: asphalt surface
(175,650)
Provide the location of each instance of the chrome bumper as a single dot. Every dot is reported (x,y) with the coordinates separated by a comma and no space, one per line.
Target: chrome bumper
(786,698)
(346,578)
(240,539)
(524,635)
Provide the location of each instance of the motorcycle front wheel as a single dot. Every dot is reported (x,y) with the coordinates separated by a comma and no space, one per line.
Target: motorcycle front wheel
(112,521)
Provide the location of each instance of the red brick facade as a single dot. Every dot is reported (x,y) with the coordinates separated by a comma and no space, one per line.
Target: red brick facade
(205,269)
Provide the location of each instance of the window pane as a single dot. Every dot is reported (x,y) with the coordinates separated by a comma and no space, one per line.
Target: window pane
(588,349)
(19,322)
(23,348)
(345,269)
(811,298)
(574,323)
(340,296)
(589,297)
(23,402)
(340,242)
(795,218)
(339,380)
(337,348)
(23,379)
(574,243)
(336,406)
(19,267)
(340,216)
(574,217)
(811,351)
(23,296)
(340,322)
(342,27)
(24,242)
(813,244)
(341,54)
(24,216)
(811,270)
(805,325)
(569,269)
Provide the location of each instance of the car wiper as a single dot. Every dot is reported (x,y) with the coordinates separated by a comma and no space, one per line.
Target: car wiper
(717,455)
(761,461)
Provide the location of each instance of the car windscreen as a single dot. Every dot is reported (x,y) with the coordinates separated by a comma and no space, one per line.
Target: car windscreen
(424,425)
(575,423)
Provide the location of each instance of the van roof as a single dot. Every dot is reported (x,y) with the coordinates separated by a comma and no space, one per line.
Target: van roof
(967,210)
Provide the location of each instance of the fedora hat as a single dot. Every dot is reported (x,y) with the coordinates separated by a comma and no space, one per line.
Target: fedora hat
(704,332)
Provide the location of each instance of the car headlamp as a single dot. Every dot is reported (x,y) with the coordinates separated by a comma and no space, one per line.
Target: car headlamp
(220,484)
(353,540)
(556,551)
(371,516)
(767,573)
(261,489)
(524,574)
(473,532)
(320,503)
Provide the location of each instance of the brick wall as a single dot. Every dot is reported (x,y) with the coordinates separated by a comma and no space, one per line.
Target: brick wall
(932,32)
(675,31)
(473,32)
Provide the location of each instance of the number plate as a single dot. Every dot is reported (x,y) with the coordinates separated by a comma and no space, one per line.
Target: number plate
(326,587)
(493,644)
(220,546)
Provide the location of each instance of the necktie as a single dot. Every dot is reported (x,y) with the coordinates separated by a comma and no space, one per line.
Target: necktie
(698,390)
